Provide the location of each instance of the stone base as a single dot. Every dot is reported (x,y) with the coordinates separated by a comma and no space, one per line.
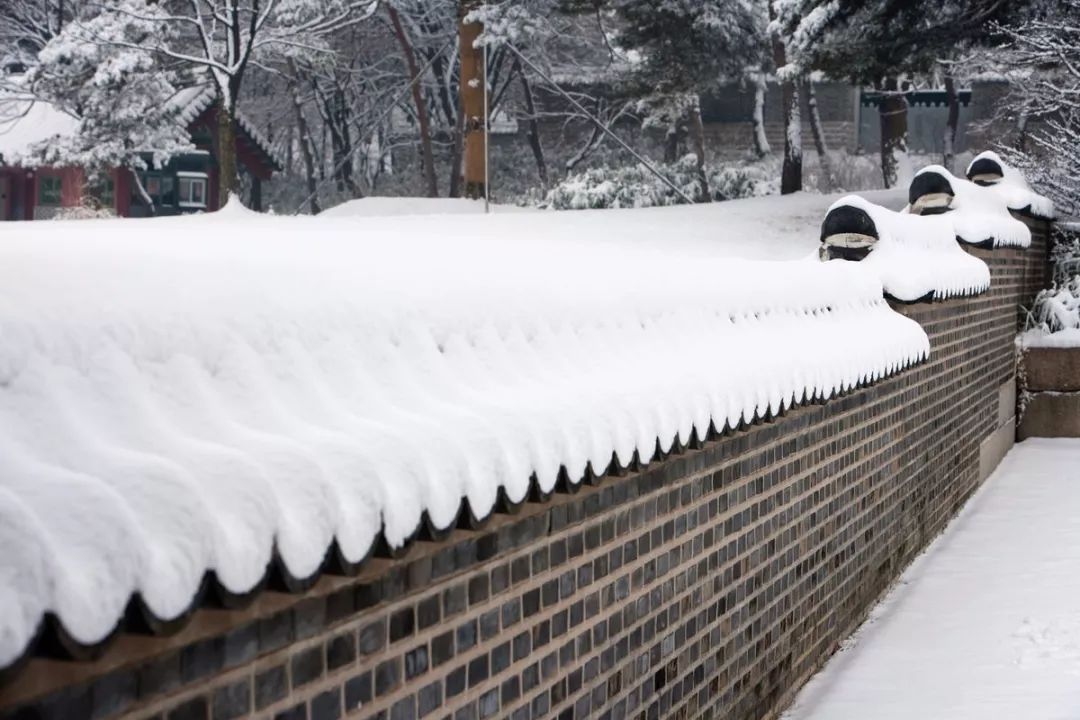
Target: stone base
(1051,414)
(1049,368)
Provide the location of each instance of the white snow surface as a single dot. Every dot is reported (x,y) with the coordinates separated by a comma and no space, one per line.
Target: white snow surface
(1014,191)
(180,395)
(917,255)
(979,213)
(984,623)
(1037,337)
(398,206)
(26,123)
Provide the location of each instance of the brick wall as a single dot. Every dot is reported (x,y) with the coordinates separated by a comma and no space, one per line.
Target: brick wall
(710,584)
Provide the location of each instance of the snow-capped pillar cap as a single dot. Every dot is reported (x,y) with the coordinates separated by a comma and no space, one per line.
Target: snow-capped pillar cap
(848,231)
(931,191)
(986,169)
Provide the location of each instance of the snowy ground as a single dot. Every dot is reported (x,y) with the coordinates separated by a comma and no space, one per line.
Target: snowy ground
(753,228)
(985,623)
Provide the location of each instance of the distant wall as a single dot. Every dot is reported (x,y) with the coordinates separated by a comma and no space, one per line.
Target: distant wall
(710,584)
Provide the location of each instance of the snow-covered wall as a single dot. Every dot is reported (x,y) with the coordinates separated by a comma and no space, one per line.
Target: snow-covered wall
(245,391)
(237,391)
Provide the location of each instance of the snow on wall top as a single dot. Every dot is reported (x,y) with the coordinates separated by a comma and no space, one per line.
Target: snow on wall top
(1013,188)
(980,214)
(246,385)
(917,256)
(26,123)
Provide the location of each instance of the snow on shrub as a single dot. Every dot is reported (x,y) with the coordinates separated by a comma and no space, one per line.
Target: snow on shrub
(636,187)
(253,385)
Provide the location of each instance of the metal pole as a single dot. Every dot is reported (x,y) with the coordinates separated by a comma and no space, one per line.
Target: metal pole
(487,131)
(607,130)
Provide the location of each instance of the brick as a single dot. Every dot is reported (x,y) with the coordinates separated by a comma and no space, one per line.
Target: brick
(307,666)
(340,651)
(113,693)
(404,709)
(387,676)
(232,701)
(429,612)
(402,624)
(270,686)
(326,705)
(194,709)
(416,662)
(466,635)
(372,638)
(358,690)
(429,699)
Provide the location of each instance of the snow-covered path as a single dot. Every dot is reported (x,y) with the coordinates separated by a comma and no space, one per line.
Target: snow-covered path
(986,624)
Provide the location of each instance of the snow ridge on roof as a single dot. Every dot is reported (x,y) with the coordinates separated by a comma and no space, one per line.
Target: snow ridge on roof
(197,99)
(980,214)
(197,419)
(917,256)
(26,122)
(1014,190)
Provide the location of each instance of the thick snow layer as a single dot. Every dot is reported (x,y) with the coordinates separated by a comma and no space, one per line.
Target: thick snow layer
(984,624)
(979,213)
(397,206)
(917,255)
(26,123)
(187,394)
(1037,337)
(1014,189)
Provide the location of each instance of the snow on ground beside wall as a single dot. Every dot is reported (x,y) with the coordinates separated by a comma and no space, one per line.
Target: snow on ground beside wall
(917,255)
(180,395)
(984,624)
(762,228)
(398,206)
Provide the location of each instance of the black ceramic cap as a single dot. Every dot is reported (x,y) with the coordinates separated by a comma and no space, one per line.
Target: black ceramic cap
(929,183)
(848,219)
(985,166)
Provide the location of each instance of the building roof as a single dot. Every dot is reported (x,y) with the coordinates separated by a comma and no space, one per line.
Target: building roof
(25,122)
(193,101)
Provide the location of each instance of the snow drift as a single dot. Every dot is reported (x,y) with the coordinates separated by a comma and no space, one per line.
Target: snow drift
(205,394)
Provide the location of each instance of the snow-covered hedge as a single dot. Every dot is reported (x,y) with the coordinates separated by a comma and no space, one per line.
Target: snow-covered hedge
(635,186)
(185,395)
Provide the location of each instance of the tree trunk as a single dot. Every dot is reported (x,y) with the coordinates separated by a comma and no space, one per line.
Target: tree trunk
(427,155)
(697,141)
(791,175)
(306,153)
(948,156)
(761,140)
(893,112)
(1021,131)
(456,153)
(819,139)
(590,145)
(256,194)
(533,126)
(226,153)
(472,102)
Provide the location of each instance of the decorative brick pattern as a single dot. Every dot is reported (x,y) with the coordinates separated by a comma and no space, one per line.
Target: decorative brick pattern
(710,584)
